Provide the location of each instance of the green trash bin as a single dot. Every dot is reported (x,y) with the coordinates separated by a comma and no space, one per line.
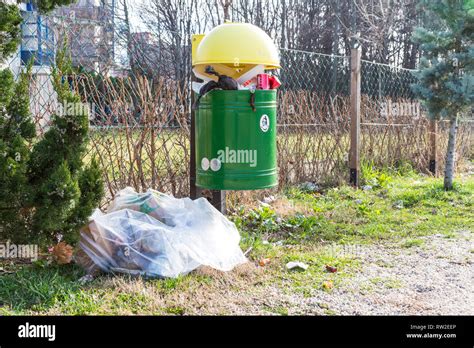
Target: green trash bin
(236,140)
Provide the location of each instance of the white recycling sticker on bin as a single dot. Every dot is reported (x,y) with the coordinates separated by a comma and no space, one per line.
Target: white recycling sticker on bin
(215,164)
(205,163)
(264,123)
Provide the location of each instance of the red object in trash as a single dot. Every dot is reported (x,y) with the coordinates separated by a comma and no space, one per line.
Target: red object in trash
(249,83)
(274,82)
(262,81)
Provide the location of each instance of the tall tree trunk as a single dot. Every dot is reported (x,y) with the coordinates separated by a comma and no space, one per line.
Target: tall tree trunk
(132,51)
(450,154)
(226,4)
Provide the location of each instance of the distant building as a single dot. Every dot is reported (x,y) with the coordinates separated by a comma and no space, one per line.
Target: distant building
(143,52)
(38,45)
(150,56)
(89,25)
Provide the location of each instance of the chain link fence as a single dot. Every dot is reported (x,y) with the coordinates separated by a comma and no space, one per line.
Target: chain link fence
(140,105)
(313,117)
(395,128)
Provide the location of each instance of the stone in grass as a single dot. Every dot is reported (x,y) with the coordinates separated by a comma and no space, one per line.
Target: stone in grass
(86,279)
(309,186)
(296,265)
(398,205)
(269,199)
(323,305)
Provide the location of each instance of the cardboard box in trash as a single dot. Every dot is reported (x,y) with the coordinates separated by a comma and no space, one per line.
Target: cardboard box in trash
(89,233)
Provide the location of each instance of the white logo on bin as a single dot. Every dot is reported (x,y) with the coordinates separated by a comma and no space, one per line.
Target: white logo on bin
(237,156)
(264,123)
(205,164)
(215,164)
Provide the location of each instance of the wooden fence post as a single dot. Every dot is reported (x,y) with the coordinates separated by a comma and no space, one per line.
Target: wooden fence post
(433,146)
(354,165)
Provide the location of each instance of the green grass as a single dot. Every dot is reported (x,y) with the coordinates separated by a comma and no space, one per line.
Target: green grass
(388,283)
(313,279)
(119,152)
(57,290)
(39,288)
(321,229)
(345,215)
(280,310)
(409,243)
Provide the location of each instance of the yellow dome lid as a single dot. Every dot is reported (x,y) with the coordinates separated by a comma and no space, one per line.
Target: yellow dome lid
(236,45)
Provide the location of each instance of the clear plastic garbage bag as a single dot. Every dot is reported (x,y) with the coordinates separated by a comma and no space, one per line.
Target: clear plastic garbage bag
(157,235)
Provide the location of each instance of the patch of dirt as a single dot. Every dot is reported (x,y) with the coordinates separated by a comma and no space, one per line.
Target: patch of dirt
(435,278)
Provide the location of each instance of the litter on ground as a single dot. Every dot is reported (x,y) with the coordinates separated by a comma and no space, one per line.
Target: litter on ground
(157,235)
(300,265)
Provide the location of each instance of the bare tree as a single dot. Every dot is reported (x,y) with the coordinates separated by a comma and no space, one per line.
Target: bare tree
(385,29)
(325,26)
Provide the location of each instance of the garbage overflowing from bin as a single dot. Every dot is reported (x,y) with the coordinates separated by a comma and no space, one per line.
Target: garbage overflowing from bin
(251,81)
(255,78)
(241,53)
(157,235)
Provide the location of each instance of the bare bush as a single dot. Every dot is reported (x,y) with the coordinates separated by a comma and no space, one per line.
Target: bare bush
(140,133)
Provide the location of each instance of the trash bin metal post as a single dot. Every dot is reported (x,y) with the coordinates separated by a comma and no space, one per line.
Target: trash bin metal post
(194,191)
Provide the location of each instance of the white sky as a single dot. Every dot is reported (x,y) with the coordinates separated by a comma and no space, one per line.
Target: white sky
(136,24)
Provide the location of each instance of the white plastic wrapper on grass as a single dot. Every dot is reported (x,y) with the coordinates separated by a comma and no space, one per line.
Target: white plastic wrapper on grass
(157,235)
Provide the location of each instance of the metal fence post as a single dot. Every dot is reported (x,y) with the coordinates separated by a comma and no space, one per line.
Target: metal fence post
(194,191)
(354,164)
(433,146)
(217,198)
